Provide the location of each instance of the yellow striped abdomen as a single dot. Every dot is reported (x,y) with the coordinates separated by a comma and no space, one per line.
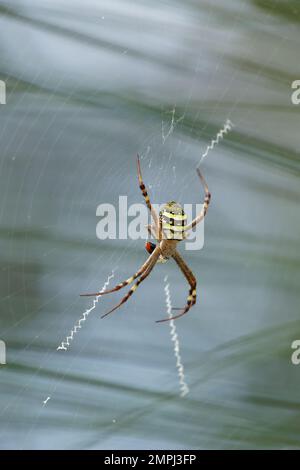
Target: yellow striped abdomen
(173,221)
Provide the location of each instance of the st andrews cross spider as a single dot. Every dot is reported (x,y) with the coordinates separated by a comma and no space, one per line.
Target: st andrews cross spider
(169,228)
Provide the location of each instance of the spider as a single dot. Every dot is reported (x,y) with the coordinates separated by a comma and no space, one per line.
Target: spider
(168,228)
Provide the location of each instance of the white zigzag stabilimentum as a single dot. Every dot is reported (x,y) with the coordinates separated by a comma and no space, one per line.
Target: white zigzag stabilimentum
(65,344)
(184,389)
(220,135)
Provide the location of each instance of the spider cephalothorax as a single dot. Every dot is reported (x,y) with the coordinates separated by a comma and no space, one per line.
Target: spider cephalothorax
(169,228)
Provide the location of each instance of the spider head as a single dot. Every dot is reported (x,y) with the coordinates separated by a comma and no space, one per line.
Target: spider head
(173,220)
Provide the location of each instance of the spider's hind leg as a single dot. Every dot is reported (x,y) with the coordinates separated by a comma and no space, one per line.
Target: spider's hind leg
(147,271)
(191,300)
(128,281)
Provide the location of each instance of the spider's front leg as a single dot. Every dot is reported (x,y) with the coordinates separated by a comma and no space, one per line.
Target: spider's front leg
(205,205)
(146,197)
(151,231)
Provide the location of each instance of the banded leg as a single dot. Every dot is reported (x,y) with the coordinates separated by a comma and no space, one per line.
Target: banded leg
(124,283)
(145,274)
(191,300)
(145,194)
(205,205)
(151,231)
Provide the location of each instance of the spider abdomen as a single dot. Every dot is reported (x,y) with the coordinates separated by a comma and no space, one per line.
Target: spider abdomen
(173,221)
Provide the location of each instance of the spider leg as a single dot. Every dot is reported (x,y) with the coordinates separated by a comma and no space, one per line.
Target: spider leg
(145,274)
(191,300)
(145,194)
(151,231)
(124,283)
(205,205)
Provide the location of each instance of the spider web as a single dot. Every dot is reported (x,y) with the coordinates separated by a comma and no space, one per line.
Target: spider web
(50,148)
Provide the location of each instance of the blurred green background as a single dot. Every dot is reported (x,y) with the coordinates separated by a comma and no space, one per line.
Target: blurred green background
(89,84)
